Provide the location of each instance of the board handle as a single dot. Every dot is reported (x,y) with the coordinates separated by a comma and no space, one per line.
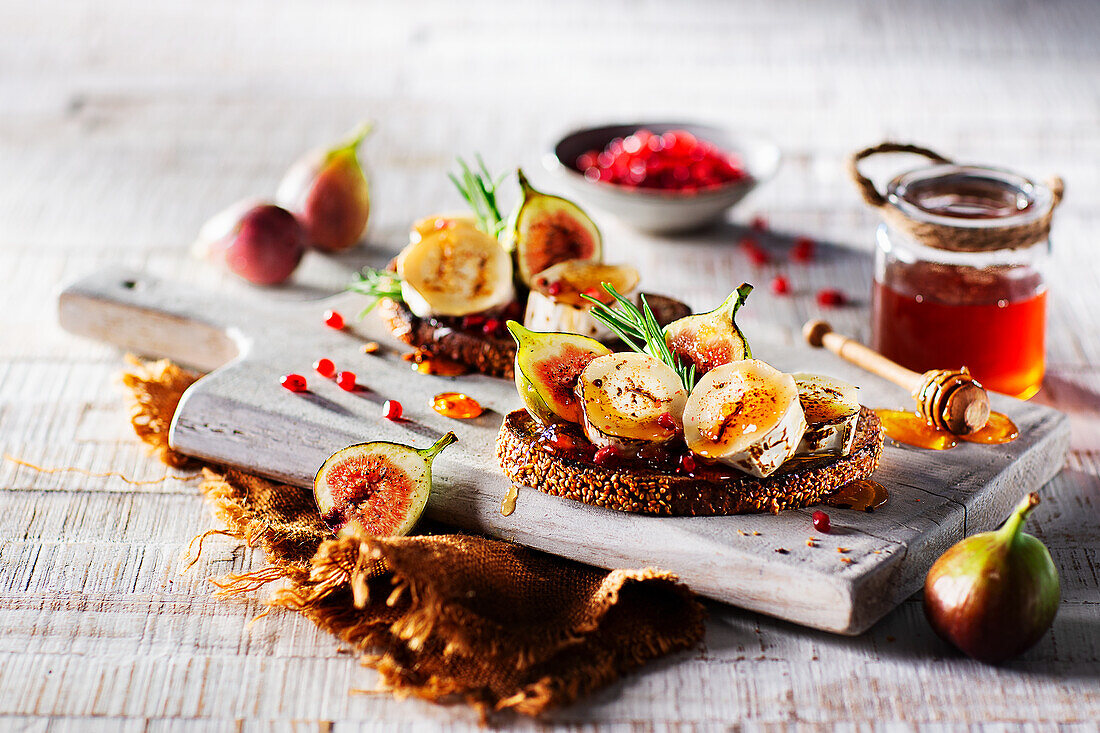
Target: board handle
(152,317)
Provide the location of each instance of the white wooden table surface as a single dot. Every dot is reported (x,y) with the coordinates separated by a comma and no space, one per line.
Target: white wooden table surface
(124,124)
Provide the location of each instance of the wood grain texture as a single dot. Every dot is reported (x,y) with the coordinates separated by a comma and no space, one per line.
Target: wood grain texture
(124,124)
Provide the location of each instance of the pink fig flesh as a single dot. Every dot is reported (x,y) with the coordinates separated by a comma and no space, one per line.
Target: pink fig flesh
(265,246)
(995,594)
(328,191)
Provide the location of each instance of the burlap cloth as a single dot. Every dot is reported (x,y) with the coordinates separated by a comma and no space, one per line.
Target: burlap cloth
(445,617)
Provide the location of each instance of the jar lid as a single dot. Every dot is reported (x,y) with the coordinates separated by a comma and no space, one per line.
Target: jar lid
(962,208)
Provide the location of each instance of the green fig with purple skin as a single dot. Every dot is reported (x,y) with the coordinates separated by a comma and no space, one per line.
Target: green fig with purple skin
(328,192)
(995,594)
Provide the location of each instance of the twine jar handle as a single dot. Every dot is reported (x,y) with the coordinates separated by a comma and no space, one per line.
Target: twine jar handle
(1057,189)
(866,187)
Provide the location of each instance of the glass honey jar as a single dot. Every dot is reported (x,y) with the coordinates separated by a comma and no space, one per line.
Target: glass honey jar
(958,272)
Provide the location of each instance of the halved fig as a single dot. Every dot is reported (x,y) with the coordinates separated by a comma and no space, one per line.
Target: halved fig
(711,339)
(555,302)
(625,399)
(376,489)
(547,368)
(545,230)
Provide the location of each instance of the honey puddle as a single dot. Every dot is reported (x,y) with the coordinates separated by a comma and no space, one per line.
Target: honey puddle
(911,429)
(862,495)
(456,405)
(509,504)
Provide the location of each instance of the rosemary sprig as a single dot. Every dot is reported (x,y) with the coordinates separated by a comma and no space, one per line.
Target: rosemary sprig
(376,284)
(480,191)
(639,330)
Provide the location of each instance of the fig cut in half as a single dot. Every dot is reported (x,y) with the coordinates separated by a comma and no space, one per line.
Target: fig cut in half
(711,339)
(546,230)
(547,368)
(376,489)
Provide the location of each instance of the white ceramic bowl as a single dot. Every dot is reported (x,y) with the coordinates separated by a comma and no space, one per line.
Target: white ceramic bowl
(655,210)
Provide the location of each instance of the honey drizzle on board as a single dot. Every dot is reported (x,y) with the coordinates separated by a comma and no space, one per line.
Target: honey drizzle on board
(862,495)
(912,429)
(456,405)
(509,504)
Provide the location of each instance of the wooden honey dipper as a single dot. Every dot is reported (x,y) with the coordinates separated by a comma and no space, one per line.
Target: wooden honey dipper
(950,399)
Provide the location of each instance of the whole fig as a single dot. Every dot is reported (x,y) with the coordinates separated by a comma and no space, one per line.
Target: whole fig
(261,242)
(993,595)
(328,192)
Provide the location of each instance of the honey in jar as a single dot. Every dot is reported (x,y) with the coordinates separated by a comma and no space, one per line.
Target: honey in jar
(959,271)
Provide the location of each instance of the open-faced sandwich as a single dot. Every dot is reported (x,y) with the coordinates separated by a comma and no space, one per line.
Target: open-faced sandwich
(684,423)
(451,290)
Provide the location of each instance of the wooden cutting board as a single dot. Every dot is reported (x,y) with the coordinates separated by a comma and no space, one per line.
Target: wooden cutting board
(240,415)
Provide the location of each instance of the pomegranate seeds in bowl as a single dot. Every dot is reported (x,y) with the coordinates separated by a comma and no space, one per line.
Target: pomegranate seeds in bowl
(672,161)
(662,177)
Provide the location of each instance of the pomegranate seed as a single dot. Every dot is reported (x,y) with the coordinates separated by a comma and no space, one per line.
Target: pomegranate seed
(759,223)
(780,285)
(490,327)
(473,321)
(594,292)
(803,250)
(687,463)
(667,421)
(830,298)
(758,256)
(294,382)
(748,243)
(554,288)
(333,319)
(324,367)
(346,380)
(391,409)
(821,521)
(605,455)
(587,160)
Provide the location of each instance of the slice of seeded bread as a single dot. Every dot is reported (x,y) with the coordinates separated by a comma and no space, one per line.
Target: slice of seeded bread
(649,491)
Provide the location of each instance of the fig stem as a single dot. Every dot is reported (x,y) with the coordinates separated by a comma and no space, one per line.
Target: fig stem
(430,453)
(1011,528)
(357,136)
(517,330)
(524,184)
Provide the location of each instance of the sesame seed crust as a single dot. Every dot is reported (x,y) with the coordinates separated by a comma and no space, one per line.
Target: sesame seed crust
(648,491)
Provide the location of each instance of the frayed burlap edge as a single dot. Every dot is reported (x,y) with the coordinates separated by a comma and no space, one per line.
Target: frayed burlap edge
(406,625)
(155,389)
